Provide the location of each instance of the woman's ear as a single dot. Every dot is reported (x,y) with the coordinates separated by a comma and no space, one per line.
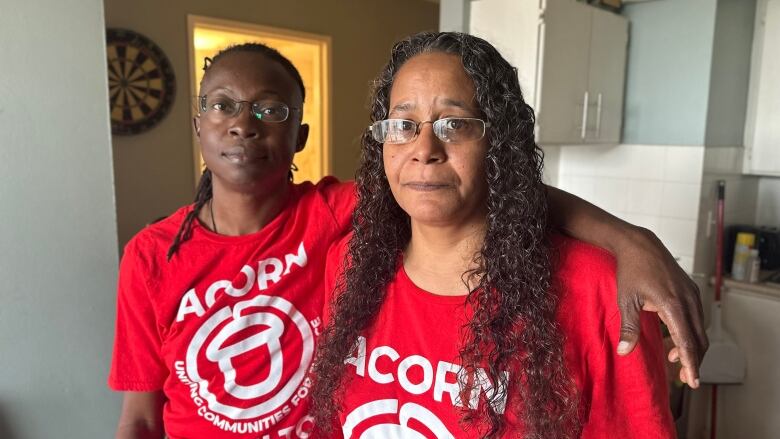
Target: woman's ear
(303,136)
(196,125)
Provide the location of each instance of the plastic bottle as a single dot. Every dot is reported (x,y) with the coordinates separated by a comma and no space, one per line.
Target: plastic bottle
(755,266)
(740,269)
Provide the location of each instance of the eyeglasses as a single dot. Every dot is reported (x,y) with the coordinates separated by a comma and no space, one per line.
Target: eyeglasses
(449,130)
(222,107)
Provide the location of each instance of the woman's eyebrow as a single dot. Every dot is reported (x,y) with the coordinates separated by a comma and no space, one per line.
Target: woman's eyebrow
(268,92)
(261,95)
(221,90)
(406,106)
(447,102)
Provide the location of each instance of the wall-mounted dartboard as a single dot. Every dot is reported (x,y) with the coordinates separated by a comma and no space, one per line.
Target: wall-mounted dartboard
(141,84)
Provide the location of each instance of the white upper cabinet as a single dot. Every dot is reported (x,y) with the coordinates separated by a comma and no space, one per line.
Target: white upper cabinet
(564,110)
(571,61)
(607,76)
(762,125)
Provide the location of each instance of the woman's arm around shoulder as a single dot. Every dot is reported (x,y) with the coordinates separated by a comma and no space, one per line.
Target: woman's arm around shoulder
(648,278)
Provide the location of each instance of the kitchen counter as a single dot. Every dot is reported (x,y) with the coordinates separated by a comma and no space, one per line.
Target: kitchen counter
(763,288)
(750,316)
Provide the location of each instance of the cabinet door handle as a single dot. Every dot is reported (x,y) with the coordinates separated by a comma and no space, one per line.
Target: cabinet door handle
(598,117)
(584,130)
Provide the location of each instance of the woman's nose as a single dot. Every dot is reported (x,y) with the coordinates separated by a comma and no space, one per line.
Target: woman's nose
(428,149)
(245,125)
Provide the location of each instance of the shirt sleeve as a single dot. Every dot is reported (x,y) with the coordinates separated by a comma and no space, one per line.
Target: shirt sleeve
(622,396)
(629,394)
(341,199)
(137,361)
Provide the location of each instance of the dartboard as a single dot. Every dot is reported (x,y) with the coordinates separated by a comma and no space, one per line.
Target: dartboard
(141,84)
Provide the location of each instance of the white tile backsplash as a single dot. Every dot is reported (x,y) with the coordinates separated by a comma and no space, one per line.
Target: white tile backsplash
(645,197)
(679,235)
(683,164)
(617,161)
(550,172)
(644,162)
(577,160)
(583,187)
(654,186)
(680,200)
(610,194)
(650,222)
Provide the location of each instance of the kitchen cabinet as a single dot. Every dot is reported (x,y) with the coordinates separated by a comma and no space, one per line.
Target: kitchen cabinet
(571,61)
(762,130)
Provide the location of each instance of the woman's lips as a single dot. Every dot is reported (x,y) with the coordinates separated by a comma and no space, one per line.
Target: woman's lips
(427,186)
(239,155)
(235,156)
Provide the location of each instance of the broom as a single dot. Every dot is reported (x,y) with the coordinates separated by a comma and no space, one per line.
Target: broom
(724,362)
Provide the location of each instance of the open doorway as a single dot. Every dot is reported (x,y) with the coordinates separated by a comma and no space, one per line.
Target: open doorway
(310,53)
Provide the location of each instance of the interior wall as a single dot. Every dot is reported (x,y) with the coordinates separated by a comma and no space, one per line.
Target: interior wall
(668,73)
(768,205)
(59,259)
(730,73)
(154,170)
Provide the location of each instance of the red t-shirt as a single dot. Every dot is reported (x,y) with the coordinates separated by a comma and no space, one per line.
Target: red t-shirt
(403,375)
(227,328)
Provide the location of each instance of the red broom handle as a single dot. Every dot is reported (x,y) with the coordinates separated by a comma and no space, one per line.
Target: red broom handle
(719,239)
(718,284)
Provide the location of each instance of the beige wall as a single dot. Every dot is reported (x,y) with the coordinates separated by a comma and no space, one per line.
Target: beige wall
(154,170)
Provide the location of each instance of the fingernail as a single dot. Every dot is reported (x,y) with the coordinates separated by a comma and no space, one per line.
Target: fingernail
(623,347)
(696,383)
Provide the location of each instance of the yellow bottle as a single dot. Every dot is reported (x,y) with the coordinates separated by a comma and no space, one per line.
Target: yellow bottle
(740,269)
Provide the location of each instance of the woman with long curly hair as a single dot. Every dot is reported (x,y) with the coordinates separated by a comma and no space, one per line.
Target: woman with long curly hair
(457,312)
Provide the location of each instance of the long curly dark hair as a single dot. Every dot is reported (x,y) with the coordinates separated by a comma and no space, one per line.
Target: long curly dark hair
(513,325)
